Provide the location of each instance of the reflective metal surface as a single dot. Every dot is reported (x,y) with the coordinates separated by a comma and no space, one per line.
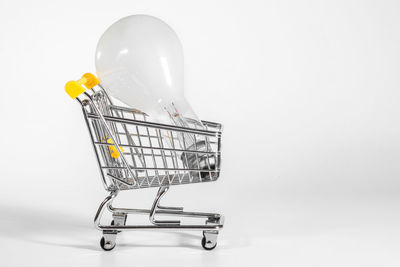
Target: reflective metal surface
(134,153)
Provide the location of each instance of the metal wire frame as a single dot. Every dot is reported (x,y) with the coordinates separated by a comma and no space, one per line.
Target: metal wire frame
(150,153)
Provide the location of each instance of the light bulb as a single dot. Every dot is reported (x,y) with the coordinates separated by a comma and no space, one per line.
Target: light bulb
(139,60)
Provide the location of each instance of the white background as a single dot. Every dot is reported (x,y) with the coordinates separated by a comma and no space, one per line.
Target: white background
(308,92)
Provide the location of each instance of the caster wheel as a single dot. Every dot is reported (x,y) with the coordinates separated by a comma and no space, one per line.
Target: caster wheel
(207,244)
(107,246)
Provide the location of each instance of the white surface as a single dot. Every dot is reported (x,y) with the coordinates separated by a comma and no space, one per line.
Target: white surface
(307,91)
(301,232)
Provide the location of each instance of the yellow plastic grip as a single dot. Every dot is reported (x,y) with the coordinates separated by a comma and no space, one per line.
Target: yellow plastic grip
(75,88)
(90,80)
(113,150)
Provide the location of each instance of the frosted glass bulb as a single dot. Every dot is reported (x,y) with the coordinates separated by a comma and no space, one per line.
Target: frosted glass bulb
(139,60)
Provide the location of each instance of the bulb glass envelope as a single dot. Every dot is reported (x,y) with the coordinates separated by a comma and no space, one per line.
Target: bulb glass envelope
(139,59)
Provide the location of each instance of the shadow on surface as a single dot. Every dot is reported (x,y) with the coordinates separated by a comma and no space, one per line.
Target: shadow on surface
(39,225)
(174,239)
(57,228)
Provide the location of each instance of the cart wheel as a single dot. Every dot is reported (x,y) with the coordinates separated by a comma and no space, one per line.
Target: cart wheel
(107,246)
(208,244)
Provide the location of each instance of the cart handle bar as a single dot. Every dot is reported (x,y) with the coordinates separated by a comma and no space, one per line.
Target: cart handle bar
(75,88)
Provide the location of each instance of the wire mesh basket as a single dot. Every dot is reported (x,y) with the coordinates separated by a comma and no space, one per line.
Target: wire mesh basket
(152,153)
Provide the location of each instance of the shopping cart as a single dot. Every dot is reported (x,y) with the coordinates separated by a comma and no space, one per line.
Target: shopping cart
(134,153)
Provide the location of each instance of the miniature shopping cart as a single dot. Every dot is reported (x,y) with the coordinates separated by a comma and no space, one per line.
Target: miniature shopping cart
(134,153)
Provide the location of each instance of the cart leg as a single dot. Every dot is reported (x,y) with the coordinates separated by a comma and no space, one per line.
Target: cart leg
(106,202)
(107,242)
(161,192)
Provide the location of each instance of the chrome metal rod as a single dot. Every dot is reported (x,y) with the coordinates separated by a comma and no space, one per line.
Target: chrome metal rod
(119,180)
(167,212)
(169,208)
(161,148)
(114,139)
(161,192)
(157,169)
(162,227)
(154,125)
(93,142)
(106,202)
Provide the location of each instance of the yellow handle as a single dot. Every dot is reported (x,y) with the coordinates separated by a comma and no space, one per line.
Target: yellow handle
(113,150)
(75,88)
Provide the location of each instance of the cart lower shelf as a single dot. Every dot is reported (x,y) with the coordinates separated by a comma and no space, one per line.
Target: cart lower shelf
(213,223)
